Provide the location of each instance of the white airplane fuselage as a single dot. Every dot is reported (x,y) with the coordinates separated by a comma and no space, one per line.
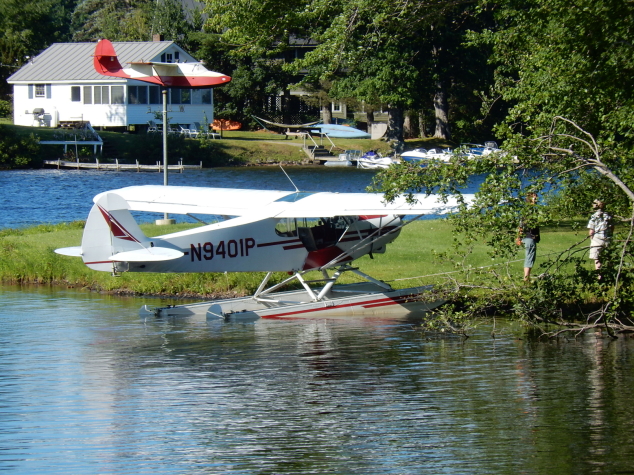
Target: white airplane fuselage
(239,244)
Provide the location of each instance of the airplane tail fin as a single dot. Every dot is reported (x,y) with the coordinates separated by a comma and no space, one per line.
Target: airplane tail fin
(106,61)
(110,230)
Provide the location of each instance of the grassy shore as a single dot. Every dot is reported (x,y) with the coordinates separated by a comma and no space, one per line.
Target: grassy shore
(415,258)
(236,148)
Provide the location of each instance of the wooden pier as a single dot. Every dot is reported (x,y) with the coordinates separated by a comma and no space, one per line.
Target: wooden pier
(158,167)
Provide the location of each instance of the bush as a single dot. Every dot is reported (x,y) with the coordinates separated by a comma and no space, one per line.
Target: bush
(6,108)
(17,151)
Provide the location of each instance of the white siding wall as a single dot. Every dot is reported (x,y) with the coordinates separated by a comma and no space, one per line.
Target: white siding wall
(60,107)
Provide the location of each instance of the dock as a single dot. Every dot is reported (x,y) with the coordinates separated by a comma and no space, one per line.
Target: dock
(136,167)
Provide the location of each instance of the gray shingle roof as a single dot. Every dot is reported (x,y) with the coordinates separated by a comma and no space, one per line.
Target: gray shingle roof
(74,61)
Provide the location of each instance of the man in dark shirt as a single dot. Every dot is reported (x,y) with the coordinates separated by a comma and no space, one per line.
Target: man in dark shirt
(529,237)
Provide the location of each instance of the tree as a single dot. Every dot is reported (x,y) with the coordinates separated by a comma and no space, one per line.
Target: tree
(397,55)
(117,20)
(26,28)
(565,68)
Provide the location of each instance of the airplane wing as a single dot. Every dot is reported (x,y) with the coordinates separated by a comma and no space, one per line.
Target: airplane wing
(196,200)
(273,204)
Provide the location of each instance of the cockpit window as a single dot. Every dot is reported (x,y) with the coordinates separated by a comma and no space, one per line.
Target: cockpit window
(287,227)
(315,233)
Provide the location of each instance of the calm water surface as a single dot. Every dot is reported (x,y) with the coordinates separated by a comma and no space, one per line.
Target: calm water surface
(50,196)
(86,386)
(32,197)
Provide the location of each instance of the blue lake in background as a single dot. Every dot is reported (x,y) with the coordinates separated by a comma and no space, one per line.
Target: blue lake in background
(29,197)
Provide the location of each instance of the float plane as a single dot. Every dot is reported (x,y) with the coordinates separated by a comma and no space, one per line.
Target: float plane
(260,231)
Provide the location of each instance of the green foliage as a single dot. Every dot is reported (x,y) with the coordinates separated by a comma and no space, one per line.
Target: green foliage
(6,108)
(17,151)
(386,54)
(26,28)
(566,70)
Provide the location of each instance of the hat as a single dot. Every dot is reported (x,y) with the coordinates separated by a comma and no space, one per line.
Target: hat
(598,204)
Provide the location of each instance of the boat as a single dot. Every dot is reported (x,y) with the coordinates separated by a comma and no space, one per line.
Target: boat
(332,130)
(225,124)
(365,299)
(339,131)
(479,150)
(348,158)
(422,155)
(372,160)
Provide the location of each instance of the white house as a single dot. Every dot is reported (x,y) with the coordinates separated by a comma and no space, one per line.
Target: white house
(61,85)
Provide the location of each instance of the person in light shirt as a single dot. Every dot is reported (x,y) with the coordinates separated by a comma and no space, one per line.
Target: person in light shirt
(600,230)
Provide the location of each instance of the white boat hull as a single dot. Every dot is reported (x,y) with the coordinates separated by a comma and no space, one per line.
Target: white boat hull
(360,300)
(373,164)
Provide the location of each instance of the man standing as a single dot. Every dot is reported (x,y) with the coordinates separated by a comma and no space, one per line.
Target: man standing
(600,230)
(529,237)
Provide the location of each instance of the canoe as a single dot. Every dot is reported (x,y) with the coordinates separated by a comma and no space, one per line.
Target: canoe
(222,124)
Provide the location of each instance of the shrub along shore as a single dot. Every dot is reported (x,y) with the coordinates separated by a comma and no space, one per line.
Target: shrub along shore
(236,148)
(422,254)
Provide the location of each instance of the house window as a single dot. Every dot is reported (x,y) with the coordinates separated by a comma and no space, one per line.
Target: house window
(97,94)
(101,95)
(117,95)
(201,96)
(40,90)
(336,107)
(75,94)
(87,94)
(175,96)
(155,95)
(186,96)
(137,95)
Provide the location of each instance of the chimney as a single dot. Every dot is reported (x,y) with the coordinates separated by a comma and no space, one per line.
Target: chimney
(157,37)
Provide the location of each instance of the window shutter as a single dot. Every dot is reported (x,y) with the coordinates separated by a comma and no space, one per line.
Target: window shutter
(30,91)
(48,91)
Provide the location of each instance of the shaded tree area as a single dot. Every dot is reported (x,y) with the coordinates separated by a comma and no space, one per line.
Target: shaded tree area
(393,56)
(26,28)
(565,70)
(256,81)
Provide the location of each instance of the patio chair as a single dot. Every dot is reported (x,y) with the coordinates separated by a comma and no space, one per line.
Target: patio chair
(194,130)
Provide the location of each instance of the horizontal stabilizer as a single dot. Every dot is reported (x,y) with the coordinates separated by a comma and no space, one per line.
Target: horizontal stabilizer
(152,254)
(69,251)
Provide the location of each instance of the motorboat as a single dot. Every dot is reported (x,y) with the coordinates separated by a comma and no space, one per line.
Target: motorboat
(346,159)
(422,155)
(373,160)
(479,150)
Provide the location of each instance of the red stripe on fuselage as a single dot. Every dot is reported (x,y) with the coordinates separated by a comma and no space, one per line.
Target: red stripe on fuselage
(368,304)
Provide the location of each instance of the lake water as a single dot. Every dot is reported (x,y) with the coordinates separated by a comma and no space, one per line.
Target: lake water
(86,387)
(50,196)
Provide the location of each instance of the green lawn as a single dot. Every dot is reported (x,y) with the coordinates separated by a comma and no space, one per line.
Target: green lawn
(26,256)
